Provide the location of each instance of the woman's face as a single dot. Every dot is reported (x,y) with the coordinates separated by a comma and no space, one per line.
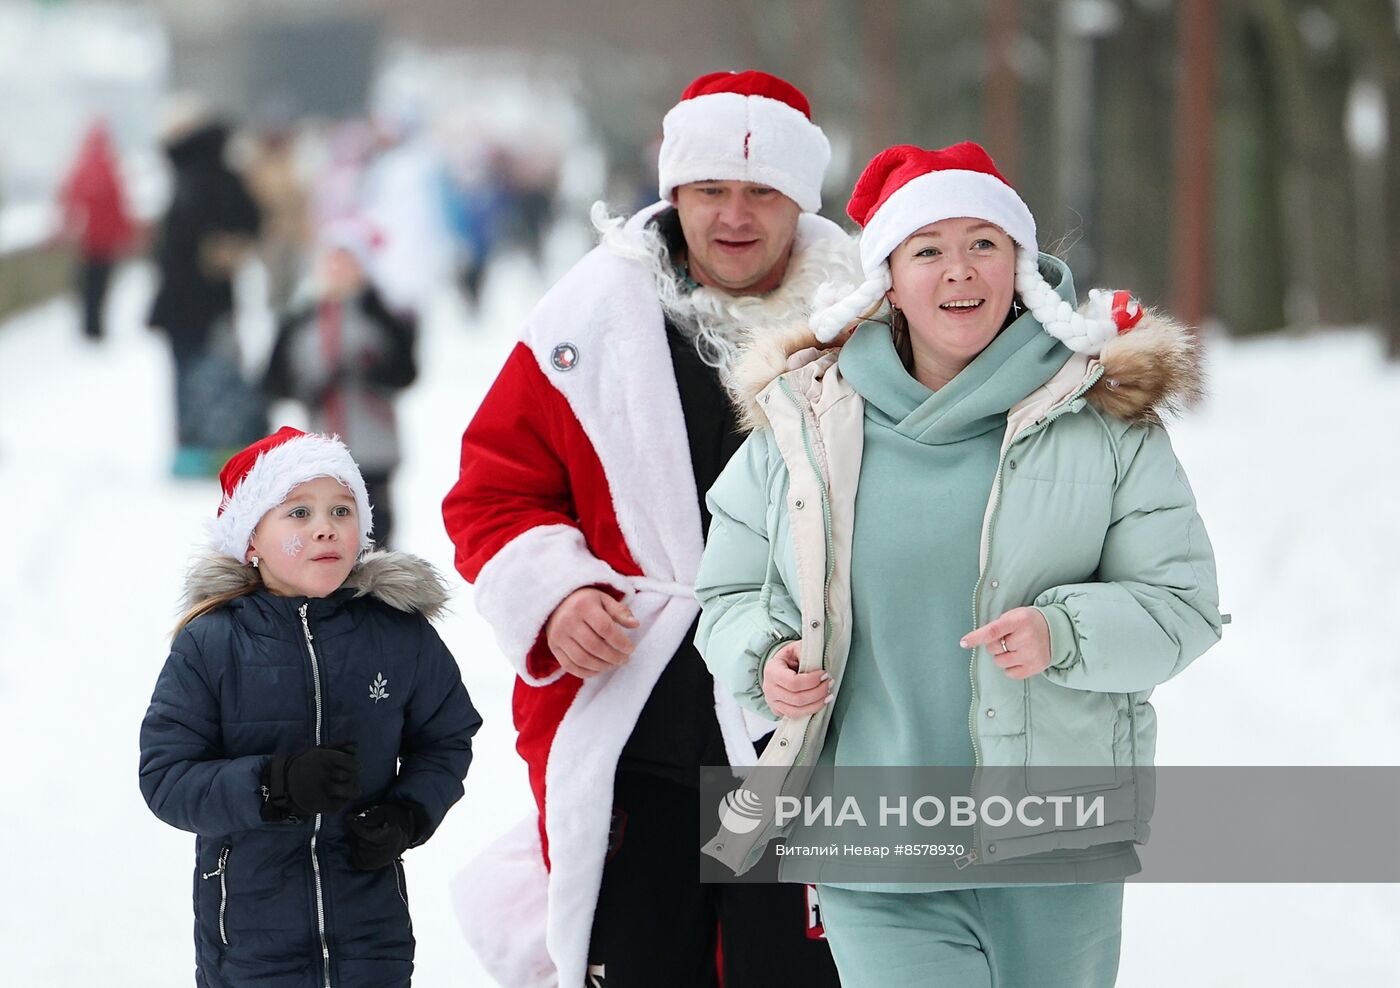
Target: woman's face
(954,281)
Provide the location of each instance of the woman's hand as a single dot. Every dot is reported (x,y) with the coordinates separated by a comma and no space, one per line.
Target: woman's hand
(791,693)
(1019,642)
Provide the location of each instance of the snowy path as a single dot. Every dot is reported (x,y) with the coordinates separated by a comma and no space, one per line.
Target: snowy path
(1299,493)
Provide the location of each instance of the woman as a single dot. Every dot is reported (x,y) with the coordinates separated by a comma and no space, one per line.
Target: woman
(983,470)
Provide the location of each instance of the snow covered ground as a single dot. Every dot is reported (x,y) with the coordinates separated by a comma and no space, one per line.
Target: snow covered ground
(1293,460)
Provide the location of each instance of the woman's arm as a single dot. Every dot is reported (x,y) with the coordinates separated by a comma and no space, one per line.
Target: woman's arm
(1156,606)
(747,612)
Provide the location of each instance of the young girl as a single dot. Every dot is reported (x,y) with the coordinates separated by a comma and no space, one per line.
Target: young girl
(309,727)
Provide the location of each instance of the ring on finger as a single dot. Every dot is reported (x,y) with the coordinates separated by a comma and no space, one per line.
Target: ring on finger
(1004,647)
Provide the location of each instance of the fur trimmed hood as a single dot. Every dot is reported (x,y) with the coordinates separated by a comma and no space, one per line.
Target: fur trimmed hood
(404,582)
(1151,371)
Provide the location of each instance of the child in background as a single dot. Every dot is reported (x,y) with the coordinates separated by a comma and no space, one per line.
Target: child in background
(308,727)
(345,356)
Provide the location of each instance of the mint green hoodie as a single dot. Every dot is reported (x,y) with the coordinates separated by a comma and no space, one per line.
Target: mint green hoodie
(929,462)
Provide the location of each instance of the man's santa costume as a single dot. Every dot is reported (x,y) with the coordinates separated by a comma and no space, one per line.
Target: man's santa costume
(576,472)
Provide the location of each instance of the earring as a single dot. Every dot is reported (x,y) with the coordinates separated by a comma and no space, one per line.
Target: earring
(254,561)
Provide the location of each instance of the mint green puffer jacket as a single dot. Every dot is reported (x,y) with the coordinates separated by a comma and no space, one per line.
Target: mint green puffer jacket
(1091,520)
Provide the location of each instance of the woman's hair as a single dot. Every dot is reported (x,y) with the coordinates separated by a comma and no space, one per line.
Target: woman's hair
(215,601)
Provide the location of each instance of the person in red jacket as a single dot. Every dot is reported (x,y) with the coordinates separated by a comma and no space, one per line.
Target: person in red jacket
(578,515)
(95,216)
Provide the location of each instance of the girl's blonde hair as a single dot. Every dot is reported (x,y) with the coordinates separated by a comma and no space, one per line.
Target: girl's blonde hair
(213,603)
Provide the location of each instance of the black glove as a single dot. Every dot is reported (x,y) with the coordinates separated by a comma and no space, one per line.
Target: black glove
(380,834)
(318,780)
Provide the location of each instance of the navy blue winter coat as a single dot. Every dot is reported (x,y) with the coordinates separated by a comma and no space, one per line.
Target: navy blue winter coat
(278,905)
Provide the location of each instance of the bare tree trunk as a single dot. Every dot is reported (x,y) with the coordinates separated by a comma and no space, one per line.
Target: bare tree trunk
(1135,90)
(1195,133)
(1002,105)
(881,50)
(1312,80)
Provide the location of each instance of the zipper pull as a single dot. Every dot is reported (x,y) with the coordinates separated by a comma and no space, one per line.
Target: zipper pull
(305,625)
(223,862)
(969,858)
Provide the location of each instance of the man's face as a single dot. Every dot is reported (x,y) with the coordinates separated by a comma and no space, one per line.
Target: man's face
(738,235)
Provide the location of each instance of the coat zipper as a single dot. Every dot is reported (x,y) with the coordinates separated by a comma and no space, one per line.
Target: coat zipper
(830,547)
(399,883)
(221,871)
(316,825)
(972,855)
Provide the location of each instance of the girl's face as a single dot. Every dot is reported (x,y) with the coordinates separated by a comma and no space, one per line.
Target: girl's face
(307,545)
(954,281)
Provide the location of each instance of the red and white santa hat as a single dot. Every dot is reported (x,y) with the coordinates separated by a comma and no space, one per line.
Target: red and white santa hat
(744,127)
(257,479)
(905,188)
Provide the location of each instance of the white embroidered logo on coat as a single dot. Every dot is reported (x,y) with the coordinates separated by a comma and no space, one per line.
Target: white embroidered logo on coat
(379,689)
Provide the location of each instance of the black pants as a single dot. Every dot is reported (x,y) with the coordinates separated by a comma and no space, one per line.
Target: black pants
(377,487)
(657,925)
(93,277)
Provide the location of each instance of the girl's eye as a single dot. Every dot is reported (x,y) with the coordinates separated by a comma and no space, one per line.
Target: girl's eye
(299,513)
(342,511)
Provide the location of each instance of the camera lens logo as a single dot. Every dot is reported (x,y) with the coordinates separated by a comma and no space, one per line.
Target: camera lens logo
(741,811)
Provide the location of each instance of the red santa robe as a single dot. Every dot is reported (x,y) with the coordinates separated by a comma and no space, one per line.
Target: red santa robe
(576,472)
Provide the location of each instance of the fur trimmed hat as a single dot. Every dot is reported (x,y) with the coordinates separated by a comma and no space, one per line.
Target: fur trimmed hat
(744,127)
(905,188)
(257,479)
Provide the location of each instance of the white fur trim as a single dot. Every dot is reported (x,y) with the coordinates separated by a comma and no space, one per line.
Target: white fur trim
(521,585)
(271,479)
(499,899)
(944,195)
(733,137)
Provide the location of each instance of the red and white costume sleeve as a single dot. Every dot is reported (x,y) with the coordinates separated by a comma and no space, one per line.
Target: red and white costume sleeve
(576,472)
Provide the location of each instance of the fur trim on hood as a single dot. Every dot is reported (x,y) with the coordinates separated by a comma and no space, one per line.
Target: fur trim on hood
(1151,371)
(402,581)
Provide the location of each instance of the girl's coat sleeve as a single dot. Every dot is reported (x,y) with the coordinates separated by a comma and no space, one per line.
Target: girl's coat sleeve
(184,777)
(747,610)
(439,723)
(1155,607)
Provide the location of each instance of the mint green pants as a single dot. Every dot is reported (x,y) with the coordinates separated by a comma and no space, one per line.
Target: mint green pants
(1058,936)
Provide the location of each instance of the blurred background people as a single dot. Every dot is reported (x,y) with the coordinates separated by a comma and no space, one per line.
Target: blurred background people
(207,233)
(95,217)
(275,182)
(346,356)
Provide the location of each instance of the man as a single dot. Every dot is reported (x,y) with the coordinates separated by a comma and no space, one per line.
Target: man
(579,516)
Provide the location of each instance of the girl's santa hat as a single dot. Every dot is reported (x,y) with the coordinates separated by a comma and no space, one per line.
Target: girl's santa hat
(744,127)
(259,478)
(905,188)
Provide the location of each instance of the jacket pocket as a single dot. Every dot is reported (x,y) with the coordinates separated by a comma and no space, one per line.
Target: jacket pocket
(221,873)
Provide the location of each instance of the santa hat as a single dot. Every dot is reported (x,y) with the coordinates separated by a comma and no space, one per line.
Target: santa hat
(355,235)
(744,127)
(905,188)
(259,478)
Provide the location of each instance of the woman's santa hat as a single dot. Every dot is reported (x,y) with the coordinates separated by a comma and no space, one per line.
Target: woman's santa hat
(259,478)
(905,188)
(744,127)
